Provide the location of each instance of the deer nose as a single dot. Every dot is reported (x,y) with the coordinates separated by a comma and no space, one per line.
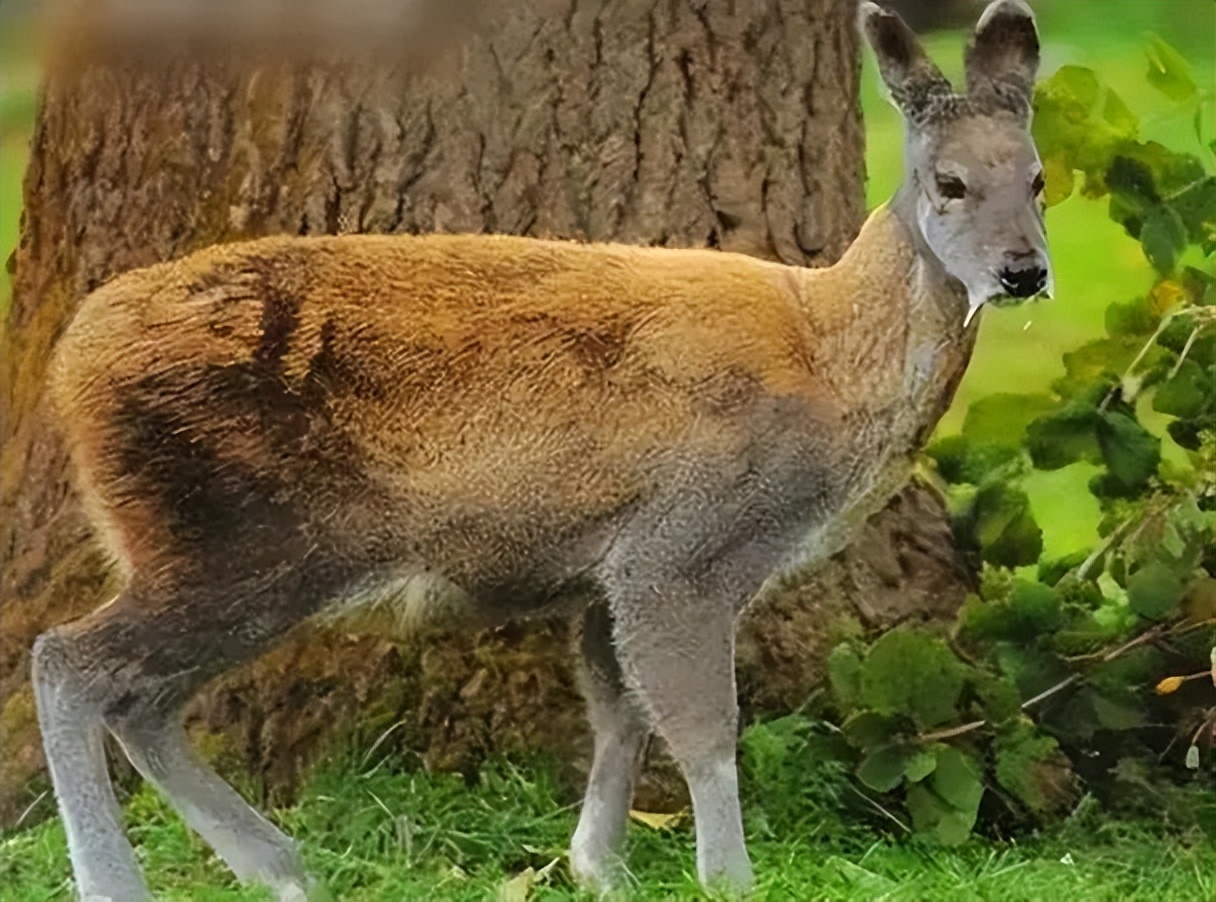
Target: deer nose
(1024,283)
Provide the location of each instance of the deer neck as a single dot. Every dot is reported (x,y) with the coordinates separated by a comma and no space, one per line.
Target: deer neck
(889,322)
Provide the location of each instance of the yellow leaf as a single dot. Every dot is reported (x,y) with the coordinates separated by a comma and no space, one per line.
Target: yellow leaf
(1168,685)
(1166,295)
(518,887)
(1059,178)
(657,821)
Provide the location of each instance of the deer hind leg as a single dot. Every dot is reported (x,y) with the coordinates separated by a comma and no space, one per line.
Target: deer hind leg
(250,845)
(69,716)
(675,642)
(621,731)
(130,667)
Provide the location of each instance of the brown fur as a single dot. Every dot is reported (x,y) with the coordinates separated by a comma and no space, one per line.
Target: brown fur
(462,401)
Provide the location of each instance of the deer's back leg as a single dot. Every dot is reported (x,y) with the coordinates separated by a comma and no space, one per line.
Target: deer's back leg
(72,731)
(130,667)
(620,730)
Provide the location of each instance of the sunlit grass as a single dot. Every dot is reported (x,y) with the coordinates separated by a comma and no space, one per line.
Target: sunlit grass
(396,835)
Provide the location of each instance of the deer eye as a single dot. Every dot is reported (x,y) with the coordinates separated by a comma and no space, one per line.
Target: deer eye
(951,187)
(1036,187)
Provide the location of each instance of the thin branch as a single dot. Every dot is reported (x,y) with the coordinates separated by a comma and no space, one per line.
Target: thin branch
(1165,321)
(1186,349)
(951,732)
(1103,546)
(1104,656)
(938,735)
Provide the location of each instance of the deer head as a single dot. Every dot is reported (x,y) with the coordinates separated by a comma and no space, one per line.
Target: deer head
(973,181)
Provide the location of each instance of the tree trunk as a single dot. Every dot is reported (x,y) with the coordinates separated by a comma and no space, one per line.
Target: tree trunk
(672,122)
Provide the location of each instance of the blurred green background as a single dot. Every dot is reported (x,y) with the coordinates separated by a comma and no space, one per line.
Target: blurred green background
(1020,348)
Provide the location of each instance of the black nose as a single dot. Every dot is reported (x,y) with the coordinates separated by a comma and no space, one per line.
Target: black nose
(1024,283)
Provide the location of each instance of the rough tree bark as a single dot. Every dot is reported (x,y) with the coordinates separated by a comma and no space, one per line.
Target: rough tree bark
(675,122)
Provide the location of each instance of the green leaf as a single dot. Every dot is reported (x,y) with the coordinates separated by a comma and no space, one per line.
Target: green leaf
(1078,124)
(1032,669)
(868,728)
(1002,418)
(1154,590)
(1119,115)
(1177,334)
(882,769)
(1059,179)
(1000,523)
(1168,71)
(844,673)
(1130,451)
(910,673)
(1117,713)
(999,698)
(1133,318)
(1186,394)
(920,764)
(1092,368)
(1164,238)
(1029,611)
(1196,207)
(1133,187)
(1054,570)
(960,460)
(933,816)
(1064,437)
(957,779)
(1032,768)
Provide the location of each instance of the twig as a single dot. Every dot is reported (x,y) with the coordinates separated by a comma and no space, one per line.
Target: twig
(1165,321)
(1209,720)
(881,810)
(1104,656)
(30,807)
(1186,349)
(951,732)
(938,735)
(1198,624)
(1103,547)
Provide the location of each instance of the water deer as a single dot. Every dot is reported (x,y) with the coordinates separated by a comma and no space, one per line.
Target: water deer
(483,427)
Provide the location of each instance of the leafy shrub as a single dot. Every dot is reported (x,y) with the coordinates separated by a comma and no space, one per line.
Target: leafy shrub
(1046,683)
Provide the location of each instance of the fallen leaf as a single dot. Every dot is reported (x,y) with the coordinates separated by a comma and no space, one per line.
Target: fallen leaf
(658,821)
(518,887)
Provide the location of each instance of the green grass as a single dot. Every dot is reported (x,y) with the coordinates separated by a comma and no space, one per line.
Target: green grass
(385,835)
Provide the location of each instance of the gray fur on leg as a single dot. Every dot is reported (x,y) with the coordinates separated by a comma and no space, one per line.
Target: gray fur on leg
(102,859)
(250,845)
(677,652)
(621,732)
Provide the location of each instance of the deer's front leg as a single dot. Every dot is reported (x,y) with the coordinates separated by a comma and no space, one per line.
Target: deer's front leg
(675,642)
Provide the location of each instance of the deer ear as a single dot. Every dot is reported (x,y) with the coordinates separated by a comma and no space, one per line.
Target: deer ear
(1003,57)
(911,77)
